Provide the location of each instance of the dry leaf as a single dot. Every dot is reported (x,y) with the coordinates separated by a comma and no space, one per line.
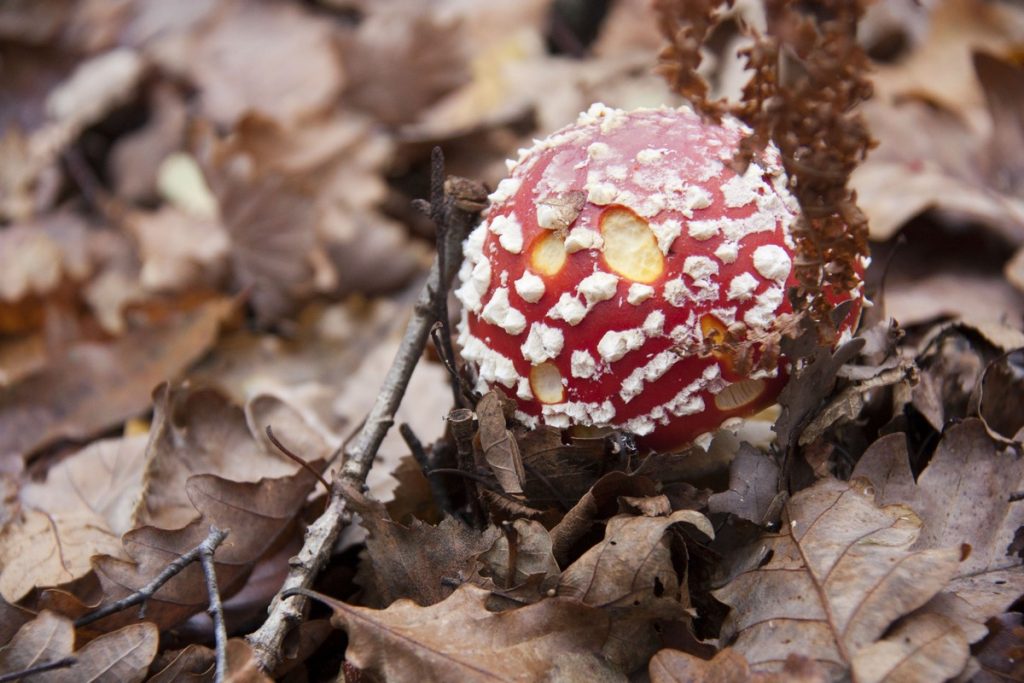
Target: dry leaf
(419,562)
(951,361)
(812,381)
(104,478)
(47,638)
(673,666)
(601,501)
(631,574)
(1001,379)
(81,510)
(940,68)
(728,666)
(191,664)
(501,452)
(977,298)
(243,667)
(459,640)
(35,258)
(61,401)
(1003,84)
(926,648)
(258,514)
(94,88)
(963,498)
(833,580)
(11,619)
(401,59)
(136,157)
(197,440)
(974,174)
(269,221)
(753,488)
(302,210)
(521,558)
(1000,654)
(42,550)
(123,655)
(177,250)
(96,85)
(276,59)
(199,432)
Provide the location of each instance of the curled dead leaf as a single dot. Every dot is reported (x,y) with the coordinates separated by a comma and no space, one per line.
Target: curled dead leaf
(500,450)
(632,575)
(520,563)
(1002,379)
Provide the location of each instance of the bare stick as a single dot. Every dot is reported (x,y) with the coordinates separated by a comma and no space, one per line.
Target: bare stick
(216,609)
(38,669)
(209,544)
(462,202)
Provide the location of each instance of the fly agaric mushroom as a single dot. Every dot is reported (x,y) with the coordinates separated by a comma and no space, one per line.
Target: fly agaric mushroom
(614,256)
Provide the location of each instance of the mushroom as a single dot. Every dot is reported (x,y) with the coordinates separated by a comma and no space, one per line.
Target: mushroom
(613,261)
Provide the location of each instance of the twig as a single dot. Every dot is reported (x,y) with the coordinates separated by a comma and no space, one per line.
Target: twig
(38,669)
(437,214)
(209,544)
(293,456)
(462,202)
(216,609)
(459,384)
(437,488)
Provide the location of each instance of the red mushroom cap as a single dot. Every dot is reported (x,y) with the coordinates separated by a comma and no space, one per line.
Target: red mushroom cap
(613,251)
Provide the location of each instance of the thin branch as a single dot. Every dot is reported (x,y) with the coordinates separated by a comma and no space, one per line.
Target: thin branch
(293,456)
(216,609)
(437,214)
(209,544)
(438,333)
(38,669)
(462,202)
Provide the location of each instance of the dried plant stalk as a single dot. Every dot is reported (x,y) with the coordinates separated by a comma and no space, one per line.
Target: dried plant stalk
(808,77)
